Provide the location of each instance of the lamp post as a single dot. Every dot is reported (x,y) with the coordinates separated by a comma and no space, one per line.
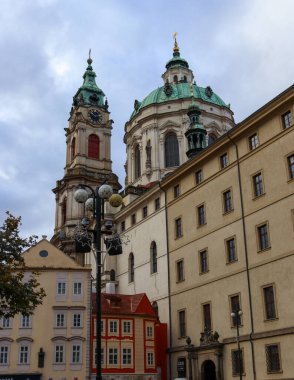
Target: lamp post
(237,314)
(95,203)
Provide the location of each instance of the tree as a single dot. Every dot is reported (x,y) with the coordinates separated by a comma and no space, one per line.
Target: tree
(16,295)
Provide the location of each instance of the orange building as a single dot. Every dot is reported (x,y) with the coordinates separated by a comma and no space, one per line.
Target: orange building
(134,342)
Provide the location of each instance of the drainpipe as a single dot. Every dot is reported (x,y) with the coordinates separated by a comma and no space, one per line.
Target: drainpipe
(168,283)
(246,257)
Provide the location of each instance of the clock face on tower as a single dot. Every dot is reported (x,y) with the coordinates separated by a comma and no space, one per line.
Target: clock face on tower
(95,116)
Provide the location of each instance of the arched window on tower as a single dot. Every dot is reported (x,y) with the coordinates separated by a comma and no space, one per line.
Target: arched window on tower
(93,147)
(73,148)
(63,211)
(211,138)
(131,267)
(153,258)
(137,162)
(175,78)
(171,150)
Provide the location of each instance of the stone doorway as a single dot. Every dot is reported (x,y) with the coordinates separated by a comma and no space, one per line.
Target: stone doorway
(208,370)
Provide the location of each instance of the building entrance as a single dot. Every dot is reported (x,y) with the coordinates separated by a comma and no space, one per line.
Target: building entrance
(208,370)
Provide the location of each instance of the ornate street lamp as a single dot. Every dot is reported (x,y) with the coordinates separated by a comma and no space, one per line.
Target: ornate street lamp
(95,203)
(237,315)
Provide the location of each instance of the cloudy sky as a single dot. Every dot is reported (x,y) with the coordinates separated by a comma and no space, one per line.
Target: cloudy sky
(242,49)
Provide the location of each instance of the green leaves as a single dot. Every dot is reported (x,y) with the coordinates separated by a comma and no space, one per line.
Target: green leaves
(16,294)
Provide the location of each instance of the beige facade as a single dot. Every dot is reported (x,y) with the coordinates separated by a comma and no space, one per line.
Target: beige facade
(228,243)
(54,342)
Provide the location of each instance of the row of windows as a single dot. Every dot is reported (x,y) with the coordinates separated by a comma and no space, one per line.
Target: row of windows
(93,147)
(153,262)
(24,353)
(269,307)
(60,320)
(272,360)
(230,249)
(61,288)
(125,357)
(144,214)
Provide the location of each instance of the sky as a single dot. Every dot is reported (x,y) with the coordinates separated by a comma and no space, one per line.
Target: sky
(243,49)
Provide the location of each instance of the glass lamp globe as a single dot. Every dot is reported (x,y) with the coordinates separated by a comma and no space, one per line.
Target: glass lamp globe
(89,204)
(105,191)
(115,200)
(81,195)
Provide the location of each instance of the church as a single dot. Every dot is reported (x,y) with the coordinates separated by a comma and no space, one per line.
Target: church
(207,221)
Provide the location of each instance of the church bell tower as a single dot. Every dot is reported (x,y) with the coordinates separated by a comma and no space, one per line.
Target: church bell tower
(88,159)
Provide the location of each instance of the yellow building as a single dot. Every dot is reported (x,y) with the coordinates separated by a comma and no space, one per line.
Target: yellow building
(54,342)
(226,247)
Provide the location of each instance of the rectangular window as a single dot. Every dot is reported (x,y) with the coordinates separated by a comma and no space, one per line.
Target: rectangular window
(180,270)
(263,237)
(149,331)
(273,362)
(287,119)
(25,321)
(113,326)
(227,201)
(77,288)
(235,307)
(127,356)
(76,353)
(123,226)
(77,320)
(178,227)
(177,191)
(133,219)
(182,323)
(157,204)
(269,302)
(199,176)
(257,185)
(224,160)
(60,320)
(206,312)
(145,212)
(231,250)
(127,327)
(201,215)
(112,356)
(3,354)
(150,358)
(203,260)
(6,323)
(24,355)
(61,288)
(253,141)
(237,362)
(290,160)
(59,353)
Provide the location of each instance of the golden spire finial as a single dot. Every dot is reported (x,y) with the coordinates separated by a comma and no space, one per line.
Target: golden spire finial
(176,47)
(89,60)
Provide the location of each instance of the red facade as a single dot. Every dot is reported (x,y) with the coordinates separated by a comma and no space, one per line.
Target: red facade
(132,338)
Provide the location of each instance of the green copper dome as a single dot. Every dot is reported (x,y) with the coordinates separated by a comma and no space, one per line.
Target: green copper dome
(89,93)
(180,90)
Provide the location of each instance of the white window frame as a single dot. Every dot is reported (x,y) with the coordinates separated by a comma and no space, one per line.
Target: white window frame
(60,317)
(113,354)
(76,353)
(77,315)
(150,358)
(59,353)
(77,288)
(24,354)
(127,356)
(4,354)
(61,288)
(26,321)
(113,323)
(149,331)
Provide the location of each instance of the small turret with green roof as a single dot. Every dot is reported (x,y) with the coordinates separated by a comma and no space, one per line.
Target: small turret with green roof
(89,94)
(196,133)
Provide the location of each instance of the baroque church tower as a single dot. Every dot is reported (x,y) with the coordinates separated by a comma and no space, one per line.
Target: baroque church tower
(88,159)
(155,133)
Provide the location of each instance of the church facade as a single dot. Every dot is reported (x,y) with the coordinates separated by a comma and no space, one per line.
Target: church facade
(208,220)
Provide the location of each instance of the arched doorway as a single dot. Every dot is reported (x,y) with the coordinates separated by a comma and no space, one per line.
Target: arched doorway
(208,370)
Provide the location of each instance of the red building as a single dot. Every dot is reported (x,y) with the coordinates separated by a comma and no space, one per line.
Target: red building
(134,342)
